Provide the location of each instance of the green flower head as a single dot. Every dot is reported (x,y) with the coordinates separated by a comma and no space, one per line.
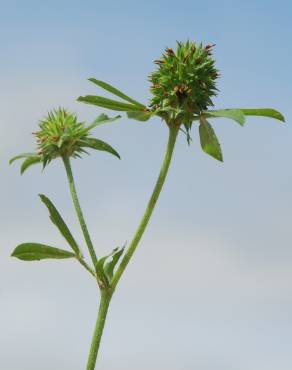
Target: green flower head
(61,134)
(184,82)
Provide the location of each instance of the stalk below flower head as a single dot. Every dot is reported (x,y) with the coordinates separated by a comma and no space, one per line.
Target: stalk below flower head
(61,134)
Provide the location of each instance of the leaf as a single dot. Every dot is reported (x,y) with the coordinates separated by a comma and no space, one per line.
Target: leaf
(209,141)
(116,92)
(105,269)
(235,114)
(99,267)
(110,266)
(263,112)
(100,120)
(108,103)
(140,116)
(23,155)
(29,162)
(98,145)
(60,223)
(37,252)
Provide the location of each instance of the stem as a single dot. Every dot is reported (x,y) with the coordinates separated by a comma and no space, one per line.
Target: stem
(173,131)
(106,294)
(86,266)
(99,326)
(77,206)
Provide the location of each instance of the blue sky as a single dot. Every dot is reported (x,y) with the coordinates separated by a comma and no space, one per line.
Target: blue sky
(210,286)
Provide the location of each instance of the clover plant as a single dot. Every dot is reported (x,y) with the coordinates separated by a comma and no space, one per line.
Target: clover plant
(182,88)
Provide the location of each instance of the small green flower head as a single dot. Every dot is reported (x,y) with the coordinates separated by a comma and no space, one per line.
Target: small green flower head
(184,83)
(61,134)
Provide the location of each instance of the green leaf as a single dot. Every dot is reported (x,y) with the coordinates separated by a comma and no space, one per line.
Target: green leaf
(110,266)
(99,267)
(108,103)
(140,116)
(22,155)
(235,114)
(98,145)
(263,112)
(29,162)
(37,252)
(100,120)
(105,269)
(209,141)
(60,223)
(116,92)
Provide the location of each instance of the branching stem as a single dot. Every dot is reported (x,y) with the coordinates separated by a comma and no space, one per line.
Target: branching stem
(106,293)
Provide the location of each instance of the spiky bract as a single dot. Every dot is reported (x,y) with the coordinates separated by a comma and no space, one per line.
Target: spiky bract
(60,135)
(184,82)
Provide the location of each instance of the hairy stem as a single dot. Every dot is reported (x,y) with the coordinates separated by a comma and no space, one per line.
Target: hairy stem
(173,131)
(77,206)
(98,330)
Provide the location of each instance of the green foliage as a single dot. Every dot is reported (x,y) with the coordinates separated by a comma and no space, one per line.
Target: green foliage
(21,156)
(29,162)
(263,112)
(110,265)
(235,114)
(209,141)
(239,114)
(58,221)
(37,252)
(102,119)
(116,105)
(140,116)
(105,266)
(97,144)
(116,92)
(132,105)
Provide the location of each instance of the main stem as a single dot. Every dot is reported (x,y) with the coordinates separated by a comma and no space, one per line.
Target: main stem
(99,326)
(77,206)
(173,131)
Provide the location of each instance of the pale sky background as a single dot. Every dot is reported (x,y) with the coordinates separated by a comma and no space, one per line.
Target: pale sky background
(210,287)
